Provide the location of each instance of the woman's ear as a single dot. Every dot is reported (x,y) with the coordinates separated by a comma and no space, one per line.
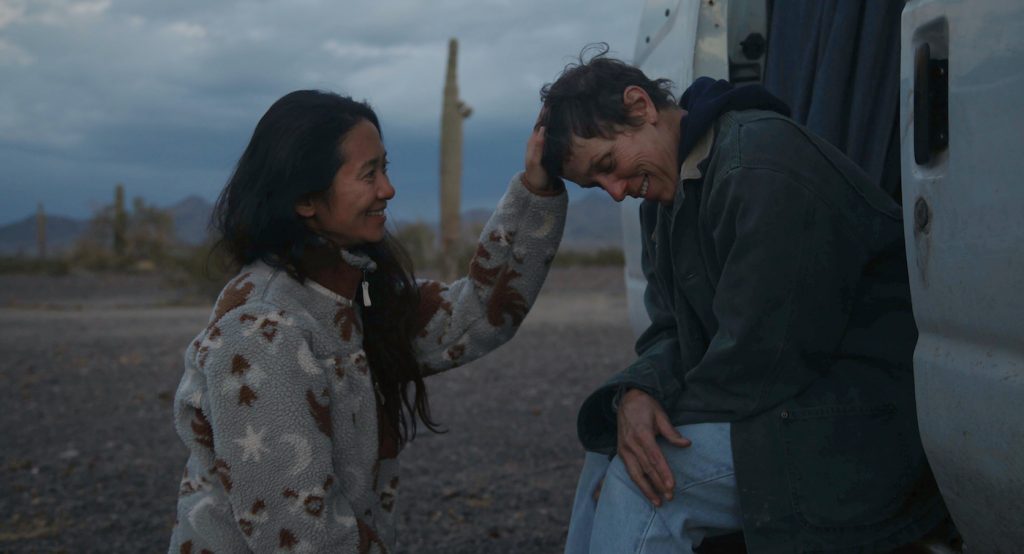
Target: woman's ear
(305,207)
(639,105)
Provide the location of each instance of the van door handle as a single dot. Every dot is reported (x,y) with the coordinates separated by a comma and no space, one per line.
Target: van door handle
(931,101)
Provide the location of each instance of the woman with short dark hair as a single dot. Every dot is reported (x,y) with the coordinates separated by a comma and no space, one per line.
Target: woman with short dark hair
(300,392)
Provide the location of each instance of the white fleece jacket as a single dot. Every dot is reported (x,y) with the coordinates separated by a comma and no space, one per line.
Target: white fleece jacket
(277,405)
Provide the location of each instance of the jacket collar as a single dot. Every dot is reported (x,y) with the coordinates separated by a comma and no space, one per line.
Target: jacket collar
(691,167)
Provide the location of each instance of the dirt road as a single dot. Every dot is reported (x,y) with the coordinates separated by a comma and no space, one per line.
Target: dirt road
(89,460)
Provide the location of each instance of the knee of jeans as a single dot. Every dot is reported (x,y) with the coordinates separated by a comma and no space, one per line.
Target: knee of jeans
(617,471)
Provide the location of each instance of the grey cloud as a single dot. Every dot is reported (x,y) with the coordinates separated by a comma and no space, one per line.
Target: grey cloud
(151,83)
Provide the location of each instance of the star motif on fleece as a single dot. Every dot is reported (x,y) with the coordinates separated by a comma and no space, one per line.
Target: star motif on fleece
(252,444)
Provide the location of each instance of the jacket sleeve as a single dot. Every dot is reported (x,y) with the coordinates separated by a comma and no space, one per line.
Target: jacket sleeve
(464,320)
(655,371)
(268,418)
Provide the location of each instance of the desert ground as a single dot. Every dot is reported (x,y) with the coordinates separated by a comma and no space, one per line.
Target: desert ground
(90,462)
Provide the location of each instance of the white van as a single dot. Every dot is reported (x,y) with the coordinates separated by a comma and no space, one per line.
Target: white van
(955,159)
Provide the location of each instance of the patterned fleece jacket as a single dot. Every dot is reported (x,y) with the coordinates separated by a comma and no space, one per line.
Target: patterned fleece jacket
(277,405)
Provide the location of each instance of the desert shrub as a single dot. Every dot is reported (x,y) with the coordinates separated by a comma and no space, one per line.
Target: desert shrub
(203,269)
(603,257)
(420,241)
(142,240)
(37,266)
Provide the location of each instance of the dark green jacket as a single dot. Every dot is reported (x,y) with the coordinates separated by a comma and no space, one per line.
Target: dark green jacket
(778,294)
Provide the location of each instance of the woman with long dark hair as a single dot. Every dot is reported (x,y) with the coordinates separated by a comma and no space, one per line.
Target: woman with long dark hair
(300,392)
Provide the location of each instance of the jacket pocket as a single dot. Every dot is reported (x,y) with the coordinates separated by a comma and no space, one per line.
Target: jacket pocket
(849,466)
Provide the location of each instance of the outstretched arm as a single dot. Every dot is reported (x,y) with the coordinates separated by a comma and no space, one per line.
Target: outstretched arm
(477,313)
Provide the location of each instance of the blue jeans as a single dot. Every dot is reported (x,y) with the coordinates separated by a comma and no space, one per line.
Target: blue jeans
(621,520)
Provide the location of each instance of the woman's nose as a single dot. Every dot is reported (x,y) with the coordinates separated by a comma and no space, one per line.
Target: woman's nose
(386,191)
(616,188)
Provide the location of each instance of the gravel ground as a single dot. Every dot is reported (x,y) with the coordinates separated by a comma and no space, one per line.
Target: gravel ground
(89,460)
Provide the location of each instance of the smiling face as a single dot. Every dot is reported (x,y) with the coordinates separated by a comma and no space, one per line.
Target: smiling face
(351,211)
(637,161)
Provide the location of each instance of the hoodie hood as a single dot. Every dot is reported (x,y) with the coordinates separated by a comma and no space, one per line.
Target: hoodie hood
(706,99)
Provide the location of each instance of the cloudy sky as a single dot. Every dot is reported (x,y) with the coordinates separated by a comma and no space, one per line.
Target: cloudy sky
(163,96)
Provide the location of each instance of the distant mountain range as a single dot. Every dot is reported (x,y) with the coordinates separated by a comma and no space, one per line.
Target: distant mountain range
(593,222)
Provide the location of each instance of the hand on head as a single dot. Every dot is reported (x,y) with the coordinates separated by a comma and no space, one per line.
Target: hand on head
(535,177)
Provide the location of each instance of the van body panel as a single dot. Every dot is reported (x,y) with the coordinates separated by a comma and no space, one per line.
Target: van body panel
(964,228)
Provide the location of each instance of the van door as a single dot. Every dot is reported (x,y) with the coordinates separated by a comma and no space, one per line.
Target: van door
(962,125)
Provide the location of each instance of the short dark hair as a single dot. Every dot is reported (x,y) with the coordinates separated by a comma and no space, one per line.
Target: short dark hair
(586,101)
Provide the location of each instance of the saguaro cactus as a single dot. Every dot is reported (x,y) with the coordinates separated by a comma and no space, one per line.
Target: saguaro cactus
(120,221)
(453,112)
(41,231)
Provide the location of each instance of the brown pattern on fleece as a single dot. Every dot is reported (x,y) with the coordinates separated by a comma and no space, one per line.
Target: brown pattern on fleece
(213,333)
(314,505)
(223,472)
(189,486)
(347,320)
(269,327)
(359,361)
(387,498)
(321,412)
(431,301)
(186,548)
(368,538)
(287,539)
(456,351)
(201,429)
(235,294)
(313,501)
(501,237)
(239,365)
(506,300)
(339,368)
(245,524)
(478,272)
(246,396)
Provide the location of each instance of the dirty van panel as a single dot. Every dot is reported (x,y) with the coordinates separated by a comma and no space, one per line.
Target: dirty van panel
(961,122)
(667,47)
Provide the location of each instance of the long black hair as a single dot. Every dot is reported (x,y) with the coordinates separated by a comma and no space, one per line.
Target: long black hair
(294,153)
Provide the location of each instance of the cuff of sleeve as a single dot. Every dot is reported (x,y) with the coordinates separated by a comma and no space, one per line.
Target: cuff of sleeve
(557,187)
(528,206)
